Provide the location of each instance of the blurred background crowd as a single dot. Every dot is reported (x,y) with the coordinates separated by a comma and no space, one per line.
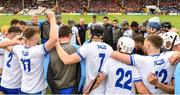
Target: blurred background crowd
(91,6)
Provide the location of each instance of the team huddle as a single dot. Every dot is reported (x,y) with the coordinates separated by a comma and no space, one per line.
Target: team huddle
(117,59)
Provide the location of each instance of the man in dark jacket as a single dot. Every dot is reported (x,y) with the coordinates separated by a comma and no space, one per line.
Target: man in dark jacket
(63,79)
(108,35)
(82,28)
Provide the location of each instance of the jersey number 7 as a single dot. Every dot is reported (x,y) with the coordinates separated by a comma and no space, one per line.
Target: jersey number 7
(102,56)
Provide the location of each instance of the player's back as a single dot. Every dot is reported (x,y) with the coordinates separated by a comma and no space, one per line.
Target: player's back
(11,76)
(95,54)
(158,64)
(31,61)
(120,77)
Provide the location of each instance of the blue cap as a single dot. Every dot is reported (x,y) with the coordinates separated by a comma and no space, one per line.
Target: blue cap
(155,25)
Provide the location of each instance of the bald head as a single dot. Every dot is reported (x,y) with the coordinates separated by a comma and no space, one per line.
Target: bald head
(34,19)
(81,21)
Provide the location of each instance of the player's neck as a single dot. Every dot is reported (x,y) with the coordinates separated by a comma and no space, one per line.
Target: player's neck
(153,51)
(30,43)
(64,40)
(97,40)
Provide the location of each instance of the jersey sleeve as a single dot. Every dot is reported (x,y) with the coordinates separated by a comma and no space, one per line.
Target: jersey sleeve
(83,51)
(40,49)
(138,60)
(136,77)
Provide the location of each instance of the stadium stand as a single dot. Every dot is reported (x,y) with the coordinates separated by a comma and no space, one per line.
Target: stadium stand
(95,6)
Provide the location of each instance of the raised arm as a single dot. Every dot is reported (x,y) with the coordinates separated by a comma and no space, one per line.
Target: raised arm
(121,57)
(65,57)
(53,36)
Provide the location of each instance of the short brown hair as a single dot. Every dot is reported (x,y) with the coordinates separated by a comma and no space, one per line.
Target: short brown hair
(14,29)
(115,20)
(155,40)
(64,31)
(22,23)
(14,22)
(139,39)
(30,32)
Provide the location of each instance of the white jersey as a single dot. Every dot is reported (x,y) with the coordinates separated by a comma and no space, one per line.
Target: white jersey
(74,34)
(31,61)
(120,77)
(128,33)
(2,38)
(158,64)
(95,55)
(11,76)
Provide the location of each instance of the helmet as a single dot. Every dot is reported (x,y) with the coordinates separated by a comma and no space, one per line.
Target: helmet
(155,25)
(168,39)
(154,19)
(97,30)
(125,45)
(166,25)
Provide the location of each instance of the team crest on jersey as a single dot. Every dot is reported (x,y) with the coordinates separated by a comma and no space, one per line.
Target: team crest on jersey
(159,62)
(25,53)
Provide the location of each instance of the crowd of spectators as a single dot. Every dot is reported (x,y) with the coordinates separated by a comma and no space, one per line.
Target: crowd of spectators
(104,7)
(133,6)
(170,7)
(10,7)
(95,6)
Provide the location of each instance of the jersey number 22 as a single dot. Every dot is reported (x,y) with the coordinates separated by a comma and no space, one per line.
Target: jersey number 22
(126,85)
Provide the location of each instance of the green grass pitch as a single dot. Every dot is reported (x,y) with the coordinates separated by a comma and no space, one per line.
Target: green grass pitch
(175,20)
